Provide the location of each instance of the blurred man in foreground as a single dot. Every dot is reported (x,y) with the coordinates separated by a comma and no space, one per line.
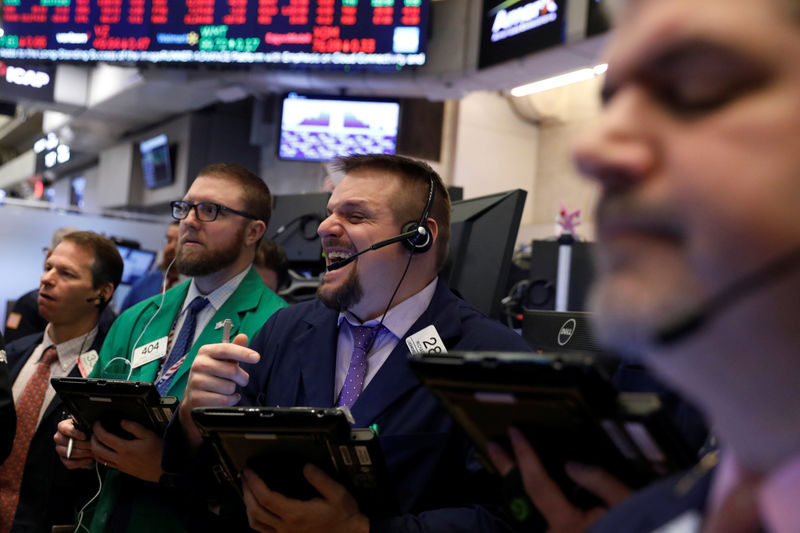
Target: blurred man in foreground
(698,155)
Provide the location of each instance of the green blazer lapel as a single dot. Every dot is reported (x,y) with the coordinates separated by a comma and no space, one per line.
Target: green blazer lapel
(158,328)
(246,297)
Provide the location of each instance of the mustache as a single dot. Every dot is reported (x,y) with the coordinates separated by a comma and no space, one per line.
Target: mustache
(626,211)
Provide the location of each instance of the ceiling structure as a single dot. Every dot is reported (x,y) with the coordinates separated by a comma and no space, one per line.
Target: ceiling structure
(97,105)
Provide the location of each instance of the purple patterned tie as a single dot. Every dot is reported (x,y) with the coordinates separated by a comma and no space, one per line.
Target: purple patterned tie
(363,336)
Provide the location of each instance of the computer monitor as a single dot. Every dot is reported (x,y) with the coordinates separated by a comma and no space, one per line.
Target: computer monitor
(483,232)
(136,263)
(293,225)
(541,293)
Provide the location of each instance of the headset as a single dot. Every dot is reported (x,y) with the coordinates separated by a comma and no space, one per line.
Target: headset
(420,240)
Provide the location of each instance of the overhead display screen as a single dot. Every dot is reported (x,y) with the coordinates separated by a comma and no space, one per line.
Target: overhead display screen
(321,128)
(515,28)
(335,34)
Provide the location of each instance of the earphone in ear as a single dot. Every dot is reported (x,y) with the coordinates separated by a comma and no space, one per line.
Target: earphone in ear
(101,301)
(423,240)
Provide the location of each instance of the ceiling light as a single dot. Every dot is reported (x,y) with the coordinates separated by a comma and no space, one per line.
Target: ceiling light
(559,81)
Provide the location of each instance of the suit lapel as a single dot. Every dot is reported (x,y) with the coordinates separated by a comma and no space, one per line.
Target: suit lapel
(160,326)
(316,357)
(395,377)
(19,353)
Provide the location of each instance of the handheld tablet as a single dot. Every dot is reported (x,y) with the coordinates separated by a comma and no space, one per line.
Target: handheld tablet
(110,401)
(567,407)
(276,443)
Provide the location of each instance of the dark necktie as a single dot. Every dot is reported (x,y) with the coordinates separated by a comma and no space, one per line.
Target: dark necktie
(28,407)
(182,345)
(363,337)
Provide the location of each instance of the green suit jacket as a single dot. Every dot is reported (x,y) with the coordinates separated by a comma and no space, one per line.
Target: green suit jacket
(127,503)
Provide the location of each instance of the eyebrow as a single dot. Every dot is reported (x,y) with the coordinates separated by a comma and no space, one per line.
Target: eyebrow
(351,204)
(679,54)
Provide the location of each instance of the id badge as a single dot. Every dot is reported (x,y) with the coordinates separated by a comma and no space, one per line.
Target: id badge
(149,352)
(426,340)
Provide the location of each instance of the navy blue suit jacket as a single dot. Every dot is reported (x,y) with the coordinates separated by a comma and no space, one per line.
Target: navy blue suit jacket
(50,494)
(658,505)
(428,456)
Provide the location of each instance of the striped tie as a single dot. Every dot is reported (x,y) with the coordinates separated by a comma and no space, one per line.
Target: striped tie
(28,407)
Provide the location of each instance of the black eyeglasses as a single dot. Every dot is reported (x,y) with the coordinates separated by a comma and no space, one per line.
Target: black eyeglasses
(204,211)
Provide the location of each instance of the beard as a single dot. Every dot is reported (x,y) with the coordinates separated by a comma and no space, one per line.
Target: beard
(628,314)
(345,296)
(190,262)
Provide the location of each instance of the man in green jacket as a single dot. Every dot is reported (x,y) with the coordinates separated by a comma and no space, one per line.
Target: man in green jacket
(223,217)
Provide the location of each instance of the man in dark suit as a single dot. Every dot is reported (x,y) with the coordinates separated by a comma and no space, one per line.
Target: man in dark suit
(697,154)
(311,355)
(79,279)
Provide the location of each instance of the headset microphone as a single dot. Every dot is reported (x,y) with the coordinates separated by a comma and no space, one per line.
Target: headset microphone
(689,323)
(419,230)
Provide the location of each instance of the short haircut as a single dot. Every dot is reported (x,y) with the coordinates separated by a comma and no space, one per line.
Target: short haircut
(107,264)
(417,177)
(255,193)
(271,255)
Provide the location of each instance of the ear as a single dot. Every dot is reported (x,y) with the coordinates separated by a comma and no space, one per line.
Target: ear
(255,230)
(106,291)
(433,227)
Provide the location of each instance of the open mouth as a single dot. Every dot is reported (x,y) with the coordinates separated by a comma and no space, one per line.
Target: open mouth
(334,256)
(44,296)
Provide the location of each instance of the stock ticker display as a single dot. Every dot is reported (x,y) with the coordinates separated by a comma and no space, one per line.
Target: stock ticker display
(335,34)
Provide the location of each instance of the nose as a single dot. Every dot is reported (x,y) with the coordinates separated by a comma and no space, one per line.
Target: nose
(190,220)
(329,227)
(47,277)
(616,149)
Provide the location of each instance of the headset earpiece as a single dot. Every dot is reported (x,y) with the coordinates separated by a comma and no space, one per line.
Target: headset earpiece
(423,240)
(419,243)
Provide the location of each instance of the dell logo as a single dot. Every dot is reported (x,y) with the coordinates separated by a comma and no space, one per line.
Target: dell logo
(566,331)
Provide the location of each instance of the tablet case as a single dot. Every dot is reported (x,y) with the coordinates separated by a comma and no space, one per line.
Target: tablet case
(567,407)
(110,400)
(277,442)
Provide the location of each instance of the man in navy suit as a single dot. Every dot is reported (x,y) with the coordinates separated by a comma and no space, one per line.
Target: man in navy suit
(304,354)
(79,279)
(697,154)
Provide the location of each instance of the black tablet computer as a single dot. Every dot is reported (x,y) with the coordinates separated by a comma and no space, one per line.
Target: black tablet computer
(277,442)
(111,400)
(567,407)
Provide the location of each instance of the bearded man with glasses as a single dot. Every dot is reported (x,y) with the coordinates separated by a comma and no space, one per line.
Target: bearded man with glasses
(222,218)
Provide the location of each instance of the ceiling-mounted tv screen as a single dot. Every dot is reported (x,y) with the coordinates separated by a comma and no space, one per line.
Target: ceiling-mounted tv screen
(156,162)
(329,34)
(318,128)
